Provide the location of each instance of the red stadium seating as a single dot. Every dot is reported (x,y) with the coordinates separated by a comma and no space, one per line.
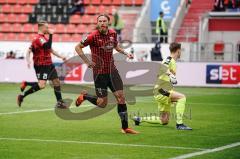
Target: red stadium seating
(27,9)
(86,19)
(91,10)
(106,2)
(71,28)
(81,28)
(11,1)
(75,19)
(17,8)
(56,38)
(11,37)
(127,2)
(2,18)
(11,18)
(6,8)
(27,28)
(76,37)
(60,28)
(2,36)
(22,18)
(22,2)
(16,27)
(117,2)
(87,2)
(102,9)
(33,1)
(96,2)
(6,27)
(139,2)
(66,37)
(22,37)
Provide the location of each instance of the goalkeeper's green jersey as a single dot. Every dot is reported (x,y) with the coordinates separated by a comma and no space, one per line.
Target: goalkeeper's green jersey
(171,65)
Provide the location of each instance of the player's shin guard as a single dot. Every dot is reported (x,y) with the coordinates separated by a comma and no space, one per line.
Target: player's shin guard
(57,92)
(180,107)
(92,99)
(122,112)
(31,90)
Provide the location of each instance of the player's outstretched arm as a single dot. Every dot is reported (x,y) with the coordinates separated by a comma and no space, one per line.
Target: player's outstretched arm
(28,57)
(55,53)
(122,51)
(80,52)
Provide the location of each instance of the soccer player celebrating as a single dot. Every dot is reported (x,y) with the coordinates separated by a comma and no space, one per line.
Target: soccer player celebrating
(165,95)
(41,48)
(102,42)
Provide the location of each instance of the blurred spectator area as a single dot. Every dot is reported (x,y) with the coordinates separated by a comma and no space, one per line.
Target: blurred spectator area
(18,18)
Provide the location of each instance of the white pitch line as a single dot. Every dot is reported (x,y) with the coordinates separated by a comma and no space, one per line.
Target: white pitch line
(35,110)
(102,143)
(207,151)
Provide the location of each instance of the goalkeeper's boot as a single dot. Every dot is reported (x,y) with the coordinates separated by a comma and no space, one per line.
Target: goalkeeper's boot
(80,98)
(19,100)
(129,131)
(137,120)
(182,127)
(61,105)
(23,86)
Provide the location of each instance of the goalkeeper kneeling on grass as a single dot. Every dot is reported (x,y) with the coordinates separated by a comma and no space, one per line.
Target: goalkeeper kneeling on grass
(164,93)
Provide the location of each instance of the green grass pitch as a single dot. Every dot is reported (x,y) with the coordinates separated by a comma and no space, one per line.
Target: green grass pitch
(214,112)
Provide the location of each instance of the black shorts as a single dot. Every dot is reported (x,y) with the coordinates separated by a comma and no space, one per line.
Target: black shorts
(104,81)
(45,72)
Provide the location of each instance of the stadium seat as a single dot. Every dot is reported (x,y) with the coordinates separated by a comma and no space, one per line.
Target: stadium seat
(2,18)
(139,2)
(117,2)
(75,19)
(22,2)
(59,9)
(63,2)
(6,8)
(106,2)
(71,28)
(33,1)
(218,49)
(64,19)
(127,2)
(16,28)
(22,18)
(54,19)
(11,1)
(31,36)
(110,9)
(96,2)
(27,9)
(35,28)
(60,28)
(17,8)
(54,2)
(11,37)
(2,36)
(56,38)
(44,2)
(82,28)
(6,27)
(102,9)
(11,18)
(22,37)
(86,19)
(76,37)
(27,28)
(87,2)
(66,37)
(91,10)
(39,9)
(49,9)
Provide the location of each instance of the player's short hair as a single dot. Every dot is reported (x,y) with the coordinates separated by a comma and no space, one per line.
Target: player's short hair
(41,23)
(105,15)
(174,47)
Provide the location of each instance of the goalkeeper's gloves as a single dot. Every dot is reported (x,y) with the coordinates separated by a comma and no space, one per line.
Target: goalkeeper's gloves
(173,78)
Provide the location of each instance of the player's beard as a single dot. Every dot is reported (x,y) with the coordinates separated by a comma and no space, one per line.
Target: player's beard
(103,30)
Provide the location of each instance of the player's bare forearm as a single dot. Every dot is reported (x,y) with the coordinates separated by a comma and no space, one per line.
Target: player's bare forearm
(122,51)
(55,53)
(80,52)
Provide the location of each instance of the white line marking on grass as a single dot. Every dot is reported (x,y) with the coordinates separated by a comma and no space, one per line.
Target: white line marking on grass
(36,110)
(102,143)
(208,151)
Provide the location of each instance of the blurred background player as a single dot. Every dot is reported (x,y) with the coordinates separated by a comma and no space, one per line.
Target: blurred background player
(41,48)
(102,42)
(165,95)
(117,24)
(161,29)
